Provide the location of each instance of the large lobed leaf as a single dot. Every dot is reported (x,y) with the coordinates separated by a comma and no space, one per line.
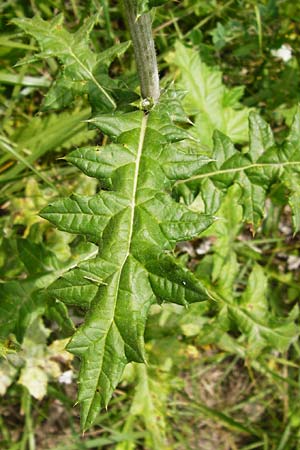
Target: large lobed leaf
(264,165)
(83,71)
(136,224)
(211,104)
(252,312)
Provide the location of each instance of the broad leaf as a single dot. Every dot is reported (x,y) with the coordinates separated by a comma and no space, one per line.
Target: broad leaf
(136,224)
(207,99)
(291,177)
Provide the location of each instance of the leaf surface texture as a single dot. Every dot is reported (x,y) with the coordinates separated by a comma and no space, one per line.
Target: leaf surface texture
(136,224)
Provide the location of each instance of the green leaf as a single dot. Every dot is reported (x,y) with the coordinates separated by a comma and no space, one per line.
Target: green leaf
(149,403)
(291,176)
(254,297)
(63,130)
(108,55)
(143,6)
(36,257)
(136,224)
(260,326)
(250,312)
(256,171)
(81,67)
(37,361)
(207,99)
(226,230)
(24,300)
(18,308)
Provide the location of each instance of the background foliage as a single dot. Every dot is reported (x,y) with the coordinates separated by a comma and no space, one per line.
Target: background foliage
(220,374)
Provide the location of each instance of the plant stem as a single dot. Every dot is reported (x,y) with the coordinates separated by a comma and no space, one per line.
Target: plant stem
(28,440)
(143,44)
(110,34)
(259,28)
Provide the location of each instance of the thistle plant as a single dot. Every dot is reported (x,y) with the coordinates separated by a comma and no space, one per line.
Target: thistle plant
(149,174)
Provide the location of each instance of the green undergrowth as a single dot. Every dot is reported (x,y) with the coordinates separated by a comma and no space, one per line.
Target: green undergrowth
(148,260)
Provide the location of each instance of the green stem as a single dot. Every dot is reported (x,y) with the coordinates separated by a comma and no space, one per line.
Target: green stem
(28,440)
(259,28)
(106,15)
(144,50)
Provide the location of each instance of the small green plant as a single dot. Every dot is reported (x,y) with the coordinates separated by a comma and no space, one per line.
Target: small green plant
(168,174)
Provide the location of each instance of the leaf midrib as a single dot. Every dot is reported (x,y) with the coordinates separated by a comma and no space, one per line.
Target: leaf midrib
(90,74)
(93,78)
(200,88)
(133,202)
(237,169)
(132,215)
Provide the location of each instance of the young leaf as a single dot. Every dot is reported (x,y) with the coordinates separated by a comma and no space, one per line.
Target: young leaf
(136,224)
(143,6)
(83,71)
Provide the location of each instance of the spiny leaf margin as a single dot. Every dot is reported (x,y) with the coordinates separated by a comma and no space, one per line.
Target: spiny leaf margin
(136,224)
(256,171)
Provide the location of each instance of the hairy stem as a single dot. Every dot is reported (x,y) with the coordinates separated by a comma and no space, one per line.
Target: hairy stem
(141,34)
